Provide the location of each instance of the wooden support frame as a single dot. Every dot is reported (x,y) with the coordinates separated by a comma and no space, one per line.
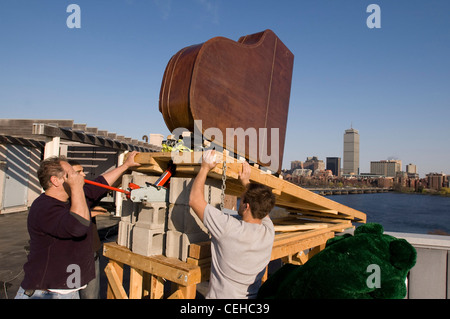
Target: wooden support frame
(147,274)
(292,247)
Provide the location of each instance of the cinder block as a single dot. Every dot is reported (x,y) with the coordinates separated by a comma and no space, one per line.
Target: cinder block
(152,215)
(177,243)
(124,233)
(183,219)
(147,242)
(180,189)
(129,211)
(173,243)
(126,179)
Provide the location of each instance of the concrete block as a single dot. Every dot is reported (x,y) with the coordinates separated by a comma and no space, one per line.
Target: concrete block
(173,243)
(180,189)
(177,243)
(127,211)
(152,215)
(126,179)
(130,211)
(147,242)
(124,233)
(183,219)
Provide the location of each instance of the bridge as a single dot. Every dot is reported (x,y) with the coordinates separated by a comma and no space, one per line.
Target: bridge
(348,190)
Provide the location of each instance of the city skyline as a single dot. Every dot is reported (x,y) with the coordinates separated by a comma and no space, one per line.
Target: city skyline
(354,162)
(391,83)
(352,149)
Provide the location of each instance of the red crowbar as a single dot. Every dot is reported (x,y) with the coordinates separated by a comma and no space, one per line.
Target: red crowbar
(159,183)
(108,187)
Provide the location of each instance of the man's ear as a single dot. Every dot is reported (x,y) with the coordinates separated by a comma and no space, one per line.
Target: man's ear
(55,181)
(247,207)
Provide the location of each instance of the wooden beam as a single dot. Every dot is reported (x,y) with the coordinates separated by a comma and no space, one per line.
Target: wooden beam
(291,228)
(283,250)
(200,250)
(178,294)
(115,282)
(287,194)
(136,281)
(156,287)
(188,292)
(204,264)
(171,269)
(118,267)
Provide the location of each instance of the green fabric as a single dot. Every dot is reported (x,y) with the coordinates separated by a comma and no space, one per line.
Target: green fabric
(348,268)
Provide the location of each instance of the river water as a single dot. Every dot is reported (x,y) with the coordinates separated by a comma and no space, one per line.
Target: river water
(397,212)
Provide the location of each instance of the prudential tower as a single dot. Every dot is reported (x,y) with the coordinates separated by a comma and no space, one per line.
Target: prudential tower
(351,152)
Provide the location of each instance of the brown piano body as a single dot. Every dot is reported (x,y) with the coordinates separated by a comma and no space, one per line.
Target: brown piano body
(236,85)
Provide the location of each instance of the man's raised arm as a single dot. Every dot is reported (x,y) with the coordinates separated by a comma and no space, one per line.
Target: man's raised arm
(197,198)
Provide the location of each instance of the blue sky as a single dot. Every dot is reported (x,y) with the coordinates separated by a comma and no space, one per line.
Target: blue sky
(392,84)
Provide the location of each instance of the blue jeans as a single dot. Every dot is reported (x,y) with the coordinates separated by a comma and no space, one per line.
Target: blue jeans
(92,291)
(43,294)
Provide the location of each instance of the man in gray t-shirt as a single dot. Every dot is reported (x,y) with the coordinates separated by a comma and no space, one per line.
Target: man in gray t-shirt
(240,249)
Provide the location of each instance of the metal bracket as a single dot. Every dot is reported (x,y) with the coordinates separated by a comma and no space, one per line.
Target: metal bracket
(149,194)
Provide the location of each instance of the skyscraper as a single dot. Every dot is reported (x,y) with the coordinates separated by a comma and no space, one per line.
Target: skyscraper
(334,165)
(351,152)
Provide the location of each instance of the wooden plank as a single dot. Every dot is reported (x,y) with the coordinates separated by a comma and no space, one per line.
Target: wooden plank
(320,218)
(279,251)
(200,250)
(115,282)
(119,271)
(287,194)
(172,269)
(146,285)
(136,283)
(301,258)
(316,250)
(291,228)
(319,214)
(285,238)
(178,294)
(300,197)
(204,264)
(203,250)
(199,262)
(156,287)
(188,292)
